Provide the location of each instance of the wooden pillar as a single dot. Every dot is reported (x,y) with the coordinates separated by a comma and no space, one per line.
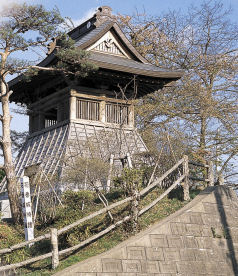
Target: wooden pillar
(41,121)
(210,174)
(131,116)
(55,249)
(31,127)
(102,111)
(72,107)
(60,112)
(186,178)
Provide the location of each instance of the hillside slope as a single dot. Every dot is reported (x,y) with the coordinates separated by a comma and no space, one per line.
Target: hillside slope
(201,238)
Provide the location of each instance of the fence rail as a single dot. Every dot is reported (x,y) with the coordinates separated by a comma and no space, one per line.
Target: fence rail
(53,235)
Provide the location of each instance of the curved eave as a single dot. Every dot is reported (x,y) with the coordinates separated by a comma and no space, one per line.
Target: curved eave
(121,68)
(110,62)
(44,63)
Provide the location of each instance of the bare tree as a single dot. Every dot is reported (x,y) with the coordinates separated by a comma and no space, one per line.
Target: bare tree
(204,43)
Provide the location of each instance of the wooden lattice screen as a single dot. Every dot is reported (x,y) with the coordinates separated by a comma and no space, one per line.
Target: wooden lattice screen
(117,113)
(87,110)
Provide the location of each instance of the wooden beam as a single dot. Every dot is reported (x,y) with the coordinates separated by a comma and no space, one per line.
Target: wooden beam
(88,95)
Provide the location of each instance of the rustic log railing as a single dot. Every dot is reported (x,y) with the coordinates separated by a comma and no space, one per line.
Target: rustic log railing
(208,175)
(54,233)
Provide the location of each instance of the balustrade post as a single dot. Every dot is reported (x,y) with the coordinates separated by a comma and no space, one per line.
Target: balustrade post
(55,249)
(72,108)
(186,195)
(210,173)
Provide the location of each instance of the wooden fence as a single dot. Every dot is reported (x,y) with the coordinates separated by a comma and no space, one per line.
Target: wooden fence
(54,233)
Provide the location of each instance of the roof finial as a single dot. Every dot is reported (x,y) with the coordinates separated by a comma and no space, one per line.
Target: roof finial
(103,13)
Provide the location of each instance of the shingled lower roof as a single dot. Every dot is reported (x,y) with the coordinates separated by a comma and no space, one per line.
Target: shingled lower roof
(131,66)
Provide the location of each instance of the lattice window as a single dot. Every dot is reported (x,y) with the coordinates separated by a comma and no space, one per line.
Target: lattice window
(87,110)
(117,113)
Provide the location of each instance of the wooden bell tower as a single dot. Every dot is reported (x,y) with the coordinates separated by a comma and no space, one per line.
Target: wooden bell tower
(89,117)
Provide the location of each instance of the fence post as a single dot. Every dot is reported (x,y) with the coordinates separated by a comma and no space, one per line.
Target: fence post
(186,178)
(55,250)
(210,173)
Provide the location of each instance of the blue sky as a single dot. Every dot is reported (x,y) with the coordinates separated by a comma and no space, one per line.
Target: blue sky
(81,9)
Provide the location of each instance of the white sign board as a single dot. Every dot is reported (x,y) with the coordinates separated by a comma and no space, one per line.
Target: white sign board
(26,208)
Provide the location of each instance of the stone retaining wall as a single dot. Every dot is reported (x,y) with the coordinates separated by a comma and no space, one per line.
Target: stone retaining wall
(199,239)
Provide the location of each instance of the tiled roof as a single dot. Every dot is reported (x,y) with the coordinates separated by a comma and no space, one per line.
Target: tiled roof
(94,32)
(131,66)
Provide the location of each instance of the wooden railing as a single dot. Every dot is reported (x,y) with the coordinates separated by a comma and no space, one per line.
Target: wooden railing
(54,233)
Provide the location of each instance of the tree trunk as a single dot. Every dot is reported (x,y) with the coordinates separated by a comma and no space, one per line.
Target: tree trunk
(203,138)
(7,153)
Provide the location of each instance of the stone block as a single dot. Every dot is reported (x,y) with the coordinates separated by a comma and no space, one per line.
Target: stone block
(211,198)
(150,267)
(111,265)
(213,254)
(220,244)
(94,265)
(191,268)
(86,274)
(204,242)
(233,233)
(143,241)
(184,268)
(187,254)
(159,240)
(175,241)
(196,218)
(131,266)
(136,253)
(207,231)
(127,274)
(215,269)
(199,267)
(200,254)
(189,242)
(171,254)
(162,274)
(212,220)
(162,229)
(107,274)
(184,218)
(119,254)
(177,228)
(210,208)
(154,253)
(198,208)
(142,274)
(168,267)
(194,230)
(232,221)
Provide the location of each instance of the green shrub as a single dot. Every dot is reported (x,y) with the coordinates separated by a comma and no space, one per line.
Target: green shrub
(8,237)
(76,199)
